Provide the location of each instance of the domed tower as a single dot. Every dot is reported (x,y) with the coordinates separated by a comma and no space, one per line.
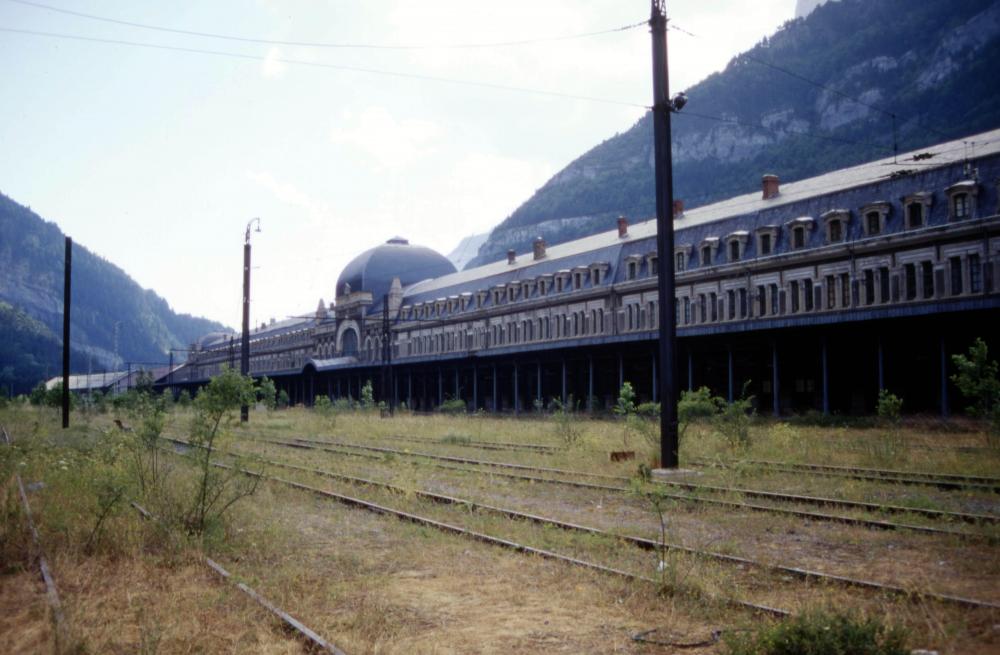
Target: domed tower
(374,269)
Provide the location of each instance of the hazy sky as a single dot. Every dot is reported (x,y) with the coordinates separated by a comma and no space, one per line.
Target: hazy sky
(156,159)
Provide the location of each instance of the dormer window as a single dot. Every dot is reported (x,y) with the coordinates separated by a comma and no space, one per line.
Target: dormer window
(874,218)
(836,224)
(962,200)
(799,228)
(836,233)
(577,280)
(735,245)
(654,265)
(872,223)
(917,209)
(680,261)
(632,271)
(960,206)
(706,255)
(798,237)
(767,237)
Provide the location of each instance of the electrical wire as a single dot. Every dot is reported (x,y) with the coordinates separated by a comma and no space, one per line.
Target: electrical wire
(315,44)
(315,64)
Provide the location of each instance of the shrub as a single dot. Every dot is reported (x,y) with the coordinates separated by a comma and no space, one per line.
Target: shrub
(452,406)
(733,422)
(624,408)
(267,393)
(217,489)
(977,379)
(184,399)
(820,633)
(367,396)
(567,427)
(283,399)
(889,406)
(695,405)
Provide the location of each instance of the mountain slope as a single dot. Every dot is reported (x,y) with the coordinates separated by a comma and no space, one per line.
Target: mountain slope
(931,63)
(31,281)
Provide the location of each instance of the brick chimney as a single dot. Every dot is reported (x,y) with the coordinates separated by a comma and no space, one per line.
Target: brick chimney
(678,208)
(622,227)
(511,256)
(769,183)
(539,247)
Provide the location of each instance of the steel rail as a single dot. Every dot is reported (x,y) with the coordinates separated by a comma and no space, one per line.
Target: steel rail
(313,639)
(768,495)
(51,591)
(879,475)
(642,542)
(481,445)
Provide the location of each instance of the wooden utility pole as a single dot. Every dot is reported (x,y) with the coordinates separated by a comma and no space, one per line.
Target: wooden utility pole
(245,342)
(67,296)
(662,107)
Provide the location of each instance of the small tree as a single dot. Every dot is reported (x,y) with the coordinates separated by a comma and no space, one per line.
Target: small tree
(977,379)
(890,407)
(37,395)
(367,396)
(695,405)
(217,489)
(624,408)
(733,422)
(283,400)
(566,426)
(267,393)
(184,399)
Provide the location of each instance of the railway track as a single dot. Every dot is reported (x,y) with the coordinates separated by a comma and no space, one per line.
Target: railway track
(641,542)
(538,449)
(313,641)
(768,495)
(940,480)
(51,591)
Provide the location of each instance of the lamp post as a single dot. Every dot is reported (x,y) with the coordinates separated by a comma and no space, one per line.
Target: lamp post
(245,345)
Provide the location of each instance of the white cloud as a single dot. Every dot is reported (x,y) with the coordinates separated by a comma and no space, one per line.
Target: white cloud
(289,194)
(391,142)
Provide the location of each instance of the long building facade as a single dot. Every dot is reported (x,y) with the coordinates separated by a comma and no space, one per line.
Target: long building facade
(811,295)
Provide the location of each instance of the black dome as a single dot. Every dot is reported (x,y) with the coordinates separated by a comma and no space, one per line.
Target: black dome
(374,269)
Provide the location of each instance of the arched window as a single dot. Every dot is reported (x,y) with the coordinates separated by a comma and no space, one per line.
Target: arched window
(349,344)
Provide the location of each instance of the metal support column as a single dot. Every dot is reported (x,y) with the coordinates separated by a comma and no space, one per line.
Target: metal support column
(409,389)
(652,365)
(440,387)
(945,409)
(621,372)
(538,383)
(517,392)
(67,298)
(775,388)
(881,366)
(475,388)
(826,380)
(590,384)
(690,371)
(564,381)
(496,408)
(729,357)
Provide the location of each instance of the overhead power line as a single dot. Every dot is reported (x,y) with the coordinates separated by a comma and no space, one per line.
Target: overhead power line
(320,44)
(316,64)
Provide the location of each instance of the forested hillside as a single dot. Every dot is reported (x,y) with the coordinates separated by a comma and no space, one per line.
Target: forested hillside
(31,281)
(932,64)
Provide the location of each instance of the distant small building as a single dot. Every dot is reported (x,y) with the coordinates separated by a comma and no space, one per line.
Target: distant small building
(110,382)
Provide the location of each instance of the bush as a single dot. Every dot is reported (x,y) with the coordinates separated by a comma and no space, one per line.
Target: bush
(283,399)
(733,422)
(367,396)
(695,405)
(267,393)
(977,379)
(820,633)
(889,406)
(452,406)
(184,399)
(567,427)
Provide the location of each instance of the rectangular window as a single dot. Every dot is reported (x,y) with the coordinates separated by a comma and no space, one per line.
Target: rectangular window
(910,271)
(914,215)
(654,268)
(706,255)
(960,202)
(869,286)
(956,275)
(743,303)
(883,284)
(679,261)
(731,301)
(873,223)
(795,296)
(774,299)
(845,290)
(798,237)
(687,310)
(927,273)
(734,250)
(632,270)
(836,232)
(715,306)
(578,281)
(831,292)
(808,291)
(765,244)
(761,301)
(703,307)
(975,274)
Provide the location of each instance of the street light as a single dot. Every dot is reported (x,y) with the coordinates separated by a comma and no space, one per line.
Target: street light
(245,345)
